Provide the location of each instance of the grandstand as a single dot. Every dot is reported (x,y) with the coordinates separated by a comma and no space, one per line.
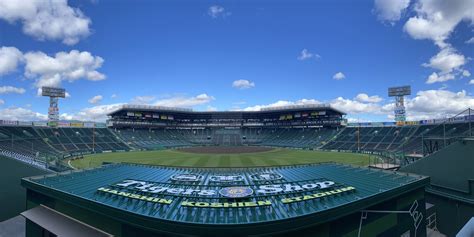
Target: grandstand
(415,138)
(153,128)
(72,140)
(45,146)
(318,127)
(393,138)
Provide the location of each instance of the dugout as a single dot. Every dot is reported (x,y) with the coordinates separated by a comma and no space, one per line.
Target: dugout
(306,200)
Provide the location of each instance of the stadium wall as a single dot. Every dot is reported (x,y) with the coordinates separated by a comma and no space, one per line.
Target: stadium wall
(451,189)
(12,194)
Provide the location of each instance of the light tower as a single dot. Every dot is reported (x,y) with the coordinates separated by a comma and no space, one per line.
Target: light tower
(399,93)
(54,94)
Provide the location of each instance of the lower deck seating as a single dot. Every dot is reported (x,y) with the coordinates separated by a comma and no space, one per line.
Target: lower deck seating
(44,143)
(57,142)
(283,137)
(407,139)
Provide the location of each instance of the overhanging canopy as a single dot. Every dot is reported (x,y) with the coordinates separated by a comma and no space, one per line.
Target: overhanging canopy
(60,224)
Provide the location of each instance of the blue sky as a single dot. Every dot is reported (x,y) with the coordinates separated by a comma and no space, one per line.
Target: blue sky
(236,55)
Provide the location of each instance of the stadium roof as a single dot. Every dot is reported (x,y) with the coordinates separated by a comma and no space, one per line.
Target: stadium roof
(131,107)
(348,189)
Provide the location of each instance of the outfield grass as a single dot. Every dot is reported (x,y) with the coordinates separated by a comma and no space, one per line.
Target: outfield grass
(178,158)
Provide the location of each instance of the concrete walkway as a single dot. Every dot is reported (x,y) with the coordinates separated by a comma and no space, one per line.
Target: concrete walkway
(14,227)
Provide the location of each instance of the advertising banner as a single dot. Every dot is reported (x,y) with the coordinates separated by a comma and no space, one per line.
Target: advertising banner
(89,125)
(24,123)
(77,125)
(100,125)
(40,124)
(9,123)
(64,124)
(460,119)
(52,124)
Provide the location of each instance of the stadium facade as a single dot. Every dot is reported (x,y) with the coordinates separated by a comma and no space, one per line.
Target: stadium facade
(291,116)
(306,200)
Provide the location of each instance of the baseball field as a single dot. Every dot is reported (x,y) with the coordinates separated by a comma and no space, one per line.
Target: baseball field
(221,157)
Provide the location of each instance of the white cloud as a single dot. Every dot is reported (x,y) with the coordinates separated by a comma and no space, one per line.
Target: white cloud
(305,54)
(435,77)
(425,105)
(471,82)
(281,103)
(9,59)
(18,113)
(147,99)
(345,105)
(47,20)
(438,103)
(2,102)
(99,113)
(436,19)
(96,99)
(357,120)
(51,71)
(113,96)
(216,11)
(182,101)
(446,60)
(362,97)
(243,84)
(174,101)
(355,107)
(339,76)
(470,41)
(96,113)
(466,73)
(390,10)
(11,89)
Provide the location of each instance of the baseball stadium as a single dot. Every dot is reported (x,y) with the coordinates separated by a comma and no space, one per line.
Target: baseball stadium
(228,118)
(294,170)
